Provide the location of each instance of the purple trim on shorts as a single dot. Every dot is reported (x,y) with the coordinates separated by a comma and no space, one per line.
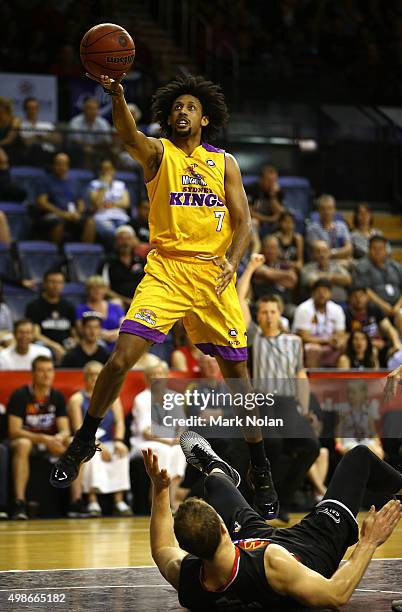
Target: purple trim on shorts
(226,352)
(138,329)
(212,149)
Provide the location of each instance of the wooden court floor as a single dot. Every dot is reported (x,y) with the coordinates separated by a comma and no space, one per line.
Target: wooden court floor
(96,564)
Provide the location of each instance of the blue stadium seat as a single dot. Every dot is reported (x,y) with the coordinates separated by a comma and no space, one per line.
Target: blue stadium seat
(17,218)
(297,193)
(17,299)
(36,257)
(249,179)
(132,183)
(28,177)
(82,260)
(74,293)
(82,178)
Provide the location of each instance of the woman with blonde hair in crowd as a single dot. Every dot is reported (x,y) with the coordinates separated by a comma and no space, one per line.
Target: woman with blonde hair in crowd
(109,470)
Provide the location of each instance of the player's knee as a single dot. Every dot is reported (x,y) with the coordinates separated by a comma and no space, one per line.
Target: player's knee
(120,361)
(212,483)
(360,451)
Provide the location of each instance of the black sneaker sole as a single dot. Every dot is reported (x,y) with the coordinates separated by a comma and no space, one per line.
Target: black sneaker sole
(189,439)
(67,480)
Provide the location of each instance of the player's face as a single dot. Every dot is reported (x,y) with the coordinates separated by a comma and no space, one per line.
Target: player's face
(186,118)
(268,315)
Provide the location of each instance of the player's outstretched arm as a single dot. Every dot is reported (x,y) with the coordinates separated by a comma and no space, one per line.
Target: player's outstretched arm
(147,151)
(165,551)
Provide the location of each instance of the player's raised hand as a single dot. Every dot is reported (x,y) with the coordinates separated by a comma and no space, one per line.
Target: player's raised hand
(160,478)
(378,526)
(393,379)
(256,260)
(224,278)
(110,86)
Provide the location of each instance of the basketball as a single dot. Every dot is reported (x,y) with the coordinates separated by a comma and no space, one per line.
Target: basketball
(108,49)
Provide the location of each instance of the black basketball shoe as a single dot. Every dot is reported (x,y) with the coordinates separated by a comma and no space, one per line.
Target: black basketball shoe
(199,454)
(66,469)
(265,501)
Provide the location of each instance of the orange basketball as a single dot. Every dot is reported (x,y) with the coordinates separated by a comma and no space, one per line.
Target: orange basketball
(108,49)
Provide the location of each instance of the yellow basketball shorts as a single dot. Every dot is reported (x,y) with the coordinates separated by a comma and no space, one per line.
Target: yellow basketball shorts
(175,289)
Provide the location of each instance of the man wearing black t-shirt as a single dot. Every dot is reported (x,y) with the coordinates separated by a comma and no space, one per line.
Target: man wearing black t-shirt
(88,348)
(123,270)
(53,316)
(369,318)
(219,554)
(37,420)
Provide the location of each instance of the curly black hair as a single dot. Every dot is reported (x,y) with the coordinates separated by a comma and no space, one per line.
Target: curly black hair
(210,95)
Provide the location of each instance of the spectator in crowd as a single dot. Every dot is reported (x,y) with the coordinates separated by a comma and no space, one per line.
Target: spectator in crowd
(334,232)
(39,137)
(9,128)
(9,190)
(123,270)
(149,432)
(3,465)
(6,320)
(37,422)
(90,132)
(363,230)
(276,362)
(186,356)
(89,347)
(291,243)
(321,325)
(140,224)
(61,207)
(362,315)
(356,420)
(383,277)
(359,353)
(123,157)
(322,266)
(110,313)
(266,199)
(19,356)
(53,316)
(110,202)
(274,276)
(109,470)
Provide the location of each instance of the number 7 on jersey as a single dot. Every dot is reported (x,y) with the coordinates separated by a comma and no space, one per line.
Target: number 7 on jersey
(219,214)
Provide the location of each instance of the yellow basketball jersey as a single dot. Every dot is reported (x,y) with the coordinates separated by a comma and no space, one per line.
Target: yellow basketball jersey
(188,214)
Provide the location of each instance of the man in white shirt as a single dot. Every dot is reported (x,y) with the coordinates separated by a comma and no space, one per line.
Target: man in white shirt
(90,132)
(321,325)
(37,135)
(20,355)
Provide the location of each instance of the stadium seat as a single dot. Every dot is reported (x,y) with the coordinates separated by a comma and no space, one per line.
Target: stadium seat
(82,260)
(297,193)
(28,177)
(74,293)
(36,257)
(17,299)
(17,219)
(249,179)
(82,177)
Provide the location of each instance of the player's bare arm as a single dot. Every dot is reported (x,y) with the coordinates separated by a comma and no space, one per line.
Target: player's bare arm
(243,285)
(290,578)
(237,204)
(165,551)
(146,150)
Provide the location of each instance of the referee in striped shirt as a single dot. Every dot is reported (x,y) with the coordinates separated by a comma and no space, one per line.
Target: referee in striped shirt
(276,362)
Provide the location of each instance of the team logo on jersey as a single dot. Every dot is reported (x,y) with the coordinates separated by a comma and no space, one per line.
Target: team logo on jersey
(147,315)
(334,514)
(210,162)
(195,179)
(232,332)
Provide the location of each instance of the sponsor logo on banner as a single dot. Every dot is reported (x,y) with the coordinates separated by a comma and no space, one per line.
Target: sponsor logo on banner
(18,86)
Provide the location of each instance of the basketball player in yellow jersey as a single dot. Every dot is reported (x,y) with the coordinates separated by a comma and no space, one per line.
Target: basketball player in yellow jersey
(200,225)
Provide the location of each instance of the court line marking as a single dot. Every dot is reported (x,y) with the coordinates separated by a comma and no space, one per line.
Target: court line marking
(88,532)
(79,569)
(93,586)
(379,591)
